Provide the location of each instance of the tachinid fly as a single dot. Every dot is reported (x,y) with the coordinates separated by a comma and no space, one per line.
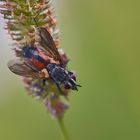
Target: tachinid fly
(44,63)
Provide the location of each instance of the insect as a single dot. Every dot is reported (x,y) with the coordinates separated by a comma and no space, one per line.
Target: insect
(45,64)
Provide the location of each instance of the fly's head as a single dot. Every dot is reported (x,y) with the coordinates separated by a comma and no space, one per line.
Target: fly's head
(70,83)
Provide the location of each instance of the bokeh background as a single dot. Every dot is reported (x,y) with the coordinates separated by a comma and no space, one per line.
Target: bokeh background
(102,39)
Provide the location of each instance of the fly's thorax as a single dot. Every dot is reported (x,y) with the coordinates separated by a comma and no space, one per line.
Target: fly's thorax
(51,67)
(57,73)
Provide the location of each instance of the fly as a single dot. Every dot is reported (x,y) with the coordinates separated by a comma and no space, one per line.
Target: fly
(33,63)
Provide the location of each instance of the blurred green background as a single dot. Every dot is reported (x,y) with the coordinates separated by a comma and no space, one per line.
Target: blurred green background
(102,39)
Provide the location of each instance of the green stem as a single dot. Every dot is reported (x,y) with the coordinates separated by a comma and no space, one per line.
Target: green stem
(63,129)
(60,120)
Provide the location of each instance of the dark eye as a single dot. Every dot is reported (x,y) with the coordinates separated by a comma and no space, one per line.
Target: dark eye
(73,77)
(67,85)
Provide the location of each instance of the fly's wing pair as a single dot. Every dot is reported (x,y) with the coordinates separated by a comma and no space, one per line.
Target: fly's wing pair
(47,42)
(23,68)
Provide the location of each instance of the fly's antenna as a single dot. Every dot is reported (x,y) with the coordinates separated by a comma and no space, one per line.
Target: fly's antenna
(78,85)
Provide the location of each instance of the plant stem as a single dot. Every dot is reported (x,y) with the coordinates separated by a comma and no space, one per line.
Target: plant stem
(60,120)
(63,129)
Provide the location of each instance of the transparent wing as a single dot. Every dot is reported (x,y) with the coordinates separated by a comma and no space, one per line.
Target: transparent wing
(48,44)
(23,68)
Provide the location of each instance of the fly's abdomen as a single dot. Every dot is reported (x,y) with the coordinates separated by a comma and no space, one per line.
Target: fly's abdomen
(32,54)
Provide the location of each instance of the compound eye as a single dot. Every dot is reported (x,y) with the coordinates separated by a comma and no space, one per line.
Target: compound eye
(73,77)
(67,85)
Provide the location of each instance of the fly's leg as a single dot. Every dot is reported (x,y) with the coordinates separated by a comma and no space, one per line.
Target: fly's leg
(44,82)
(59,88)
